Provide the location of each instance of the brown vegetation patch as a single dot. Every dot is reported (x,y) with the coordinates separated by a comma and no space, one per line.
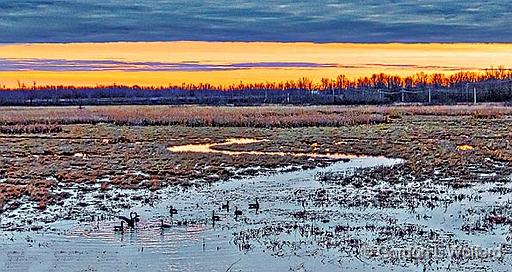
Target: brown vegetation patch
(92,149)
(30,129)
(265,116)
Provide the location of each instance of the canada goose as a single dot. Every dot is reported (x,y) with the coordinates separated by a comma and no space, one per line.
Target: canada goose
(237,212)
(119,228)
(215,217)
(164,225)
(255,205)
(226,206)
(172,211)
(134,218)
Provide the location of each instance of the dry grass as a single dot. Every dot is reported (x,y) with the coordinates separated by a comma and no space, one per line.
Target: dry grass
(428,140)
(30,129)
(193,116)
(264,116)
(477,111)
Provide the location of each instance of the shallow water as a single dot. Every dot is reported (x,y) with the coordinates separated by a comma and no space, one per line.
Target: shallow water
(303,224)
(209,148)
(73,245)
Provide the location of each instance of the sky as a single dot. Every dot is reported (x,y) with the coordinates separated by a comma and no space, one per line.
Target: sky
(224,63)
(161,42)
(255,20)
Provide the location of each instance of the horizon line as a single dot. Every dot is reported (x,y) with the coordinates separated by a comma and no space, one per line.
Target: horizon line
(256,41)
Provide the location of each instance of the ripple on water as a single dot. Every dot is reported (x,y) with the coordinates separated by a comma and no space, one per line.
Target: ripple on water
(283,235)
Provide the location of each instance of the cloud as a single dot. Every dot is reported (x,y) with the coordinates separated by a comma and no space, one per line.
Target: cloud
(115,65)
(61,65)
(254,20)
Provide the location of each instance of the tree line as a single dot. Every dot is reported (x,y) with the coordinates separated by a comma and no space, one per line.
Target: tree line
(494,84)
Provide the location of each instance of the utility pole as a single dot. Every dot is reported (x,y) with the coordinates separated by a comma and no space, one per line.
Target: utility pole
(474,95)
(429,95)
(403,95)
(466,93)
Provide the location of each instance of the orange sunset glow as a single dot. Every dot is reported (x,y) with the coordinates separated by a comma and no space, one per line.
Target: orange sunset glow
(238,61)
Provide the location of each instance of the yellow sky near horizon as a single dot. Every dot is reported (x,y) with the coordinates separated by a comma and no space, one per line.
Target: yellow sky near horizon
(353,60)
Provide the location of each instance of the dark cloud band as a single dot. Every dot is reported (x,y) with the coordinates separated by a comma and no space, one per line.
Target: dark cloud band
(114,65)
(256,20)
(61,65)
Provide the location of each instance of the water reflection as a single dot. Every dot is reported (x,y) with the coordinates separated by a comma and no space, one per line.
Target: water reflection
(304,224)
(210,148)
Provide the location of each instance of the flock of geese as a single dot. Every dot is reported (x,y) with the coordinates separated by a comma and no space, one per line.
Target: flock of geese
(134,217)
